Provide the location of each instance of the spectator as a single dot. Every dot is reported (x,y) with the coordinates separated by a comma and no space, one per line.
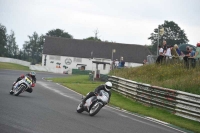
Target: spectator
(116,63)
(191,52)
(168,52)
(160,56)
(197,53)
(122,62)
(174,52)
(177,50)
(191,57)
(164,47)
(187,54)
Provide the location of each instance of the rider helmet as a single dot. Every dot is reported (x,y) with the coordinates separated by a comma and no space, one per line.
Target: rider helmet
(32,74)
(108,86)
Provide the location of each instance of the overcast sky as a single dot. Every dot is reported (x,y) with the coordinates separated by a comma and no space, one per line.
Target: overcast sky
(122,21)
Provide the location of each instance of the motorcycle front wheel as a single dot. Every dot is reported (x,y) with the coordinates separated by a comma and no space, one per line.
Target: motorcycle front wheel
(95,109)
(18,90)
(80,109)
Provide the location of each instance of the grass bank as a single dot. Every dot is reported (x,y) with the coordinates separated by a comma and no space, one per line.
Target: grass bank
(4,65)
(82,85)
(173,76)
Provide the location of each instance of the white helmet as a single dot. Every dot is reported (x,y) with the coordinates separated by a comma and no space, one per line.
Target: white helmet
(108,86)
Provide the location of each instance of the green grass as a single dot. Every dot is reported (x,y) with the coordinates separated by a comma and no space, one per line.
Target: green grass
(168,76)
(12,66)
(79,83)
(82,85)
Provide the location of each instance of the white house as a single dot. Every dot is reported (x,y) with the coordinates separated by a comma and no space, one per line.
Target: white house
(62,54)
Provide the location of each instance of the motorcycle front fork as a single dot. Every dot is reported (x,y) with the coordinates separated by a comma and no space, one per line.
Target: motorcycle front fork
(13,85)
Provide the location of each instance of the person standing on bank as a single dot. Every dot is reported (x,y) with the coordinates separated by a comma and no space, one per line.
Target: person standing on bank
(191,57)
(160,56)
(116,63)
(122,62)
(164,47)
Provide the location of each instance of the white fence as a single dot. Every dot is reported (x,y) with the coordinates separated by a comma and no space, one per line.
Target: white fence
(32,67)
(180,103)
(16,61)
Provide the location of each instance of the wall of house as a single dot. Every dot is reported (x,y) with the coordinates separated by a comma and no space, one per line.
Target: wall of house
(61,64)
(65,63)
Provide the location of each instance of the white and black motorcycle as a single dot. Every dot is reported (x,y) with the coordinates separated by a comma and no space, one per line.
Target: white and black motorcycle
(22,85)
(94,103)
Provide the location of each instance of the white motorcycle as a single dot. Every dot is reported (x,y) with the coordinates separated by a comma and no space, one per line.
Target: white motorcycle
(94,103)
(22,85)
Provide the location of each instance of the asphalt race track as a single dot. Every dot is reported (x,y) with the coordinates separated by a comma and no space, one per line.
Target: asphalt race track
(51,108)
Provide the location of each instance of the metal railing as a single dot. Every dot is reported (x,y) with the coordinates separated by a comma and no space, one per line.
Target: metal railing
(180,103)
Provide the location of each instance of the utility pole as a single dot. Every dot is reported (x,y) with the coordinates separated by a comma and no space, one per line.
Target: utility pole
(160,32)
(158,39)
(96,34)
(113,51)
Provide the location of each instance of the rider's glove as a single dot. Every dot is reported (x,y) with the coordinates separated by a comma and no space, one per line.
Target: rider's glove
(33,85)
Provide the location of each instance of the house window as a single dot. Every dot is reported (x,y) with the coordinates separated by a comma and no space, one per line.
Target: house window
(51,57)
(104,66)
(77,59)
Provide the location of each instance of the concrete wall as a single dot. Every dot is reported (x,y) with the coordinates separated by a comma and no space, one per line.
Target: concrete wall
(16,61)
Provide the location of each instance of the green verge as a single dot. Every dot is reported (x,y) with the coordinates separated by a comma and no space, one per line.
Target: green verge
(12,66)
(173,76)
(81,84)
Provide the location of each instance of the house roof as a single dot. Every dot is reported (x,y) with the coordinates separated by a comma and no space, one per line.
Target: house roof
(89,49)
(99,62)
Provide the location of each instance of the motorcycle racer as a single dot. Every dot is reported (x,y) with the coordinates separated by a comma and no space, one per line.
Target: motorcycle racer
(31,74)
(106,87)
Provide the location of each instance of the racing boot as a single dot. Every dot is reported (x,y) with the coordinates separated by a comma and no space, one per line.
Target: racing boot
(11,91)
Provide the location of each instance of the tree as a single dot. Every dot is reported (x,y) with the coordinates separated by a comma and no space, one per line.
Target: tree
(3,40)
(33,48)
(40,48)
(172,33)
(20,55)
(96,38)
(59,33)
(93,39)
(12,47)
